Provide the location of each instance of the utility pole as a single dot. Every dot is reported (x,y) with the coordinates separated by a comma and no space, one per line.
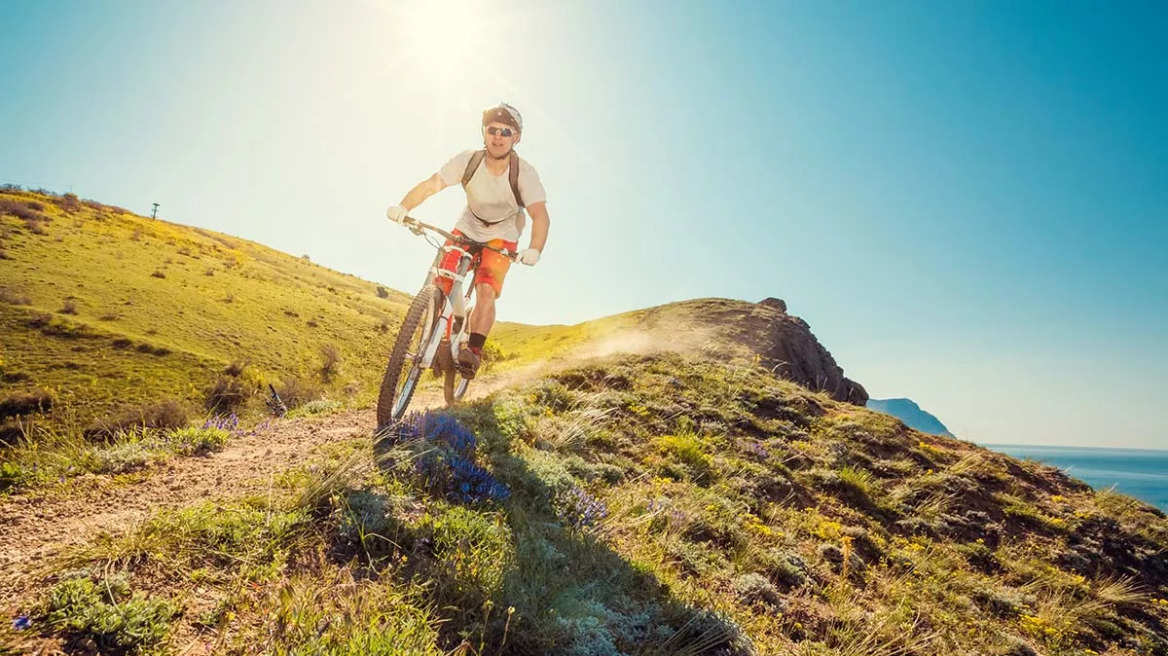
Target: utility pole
(154,212)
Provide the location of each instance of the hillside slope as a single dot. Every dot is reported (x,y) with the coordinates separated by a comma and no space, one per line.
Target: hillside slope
(652,505)
(101,310)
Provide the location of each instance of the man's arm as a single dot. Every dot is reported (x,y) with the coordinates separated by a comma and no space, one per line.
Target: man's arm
(539,224)
(424,190)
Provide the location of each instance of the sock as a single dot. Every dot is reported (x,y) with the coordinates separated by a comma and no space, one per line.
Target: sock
(477,341)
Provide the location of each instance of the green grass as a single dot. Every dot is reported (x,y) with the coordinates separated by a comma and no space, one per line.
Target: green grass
(799,537)
(135,338)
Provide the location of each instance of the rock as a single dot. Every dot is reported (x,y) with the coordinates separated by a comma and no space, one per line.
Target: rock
(786,344)
(772,302)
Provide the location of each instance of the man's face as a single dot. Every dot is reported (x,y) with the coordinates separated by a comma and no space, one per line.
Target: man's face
(498,145)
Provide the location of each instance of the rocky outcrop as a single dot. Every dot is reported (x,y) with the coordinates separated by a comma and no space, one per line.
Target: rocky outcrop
(783,342)
(786,344)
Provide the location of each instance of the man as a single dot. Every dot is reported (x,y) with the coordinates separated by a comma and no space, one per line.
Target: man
(496,198)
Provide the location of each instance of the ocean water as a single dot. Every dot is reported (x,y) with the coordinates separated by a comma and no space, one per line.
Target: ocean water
(1138,473)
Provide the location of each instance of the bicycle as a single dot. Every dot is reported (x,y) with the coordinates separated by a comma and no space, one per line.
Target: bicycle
(435,327)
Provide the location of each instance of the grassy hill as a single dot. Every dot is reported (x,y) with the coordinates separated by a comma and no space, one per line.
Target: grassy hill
(663,503)
(103,311)
(650,505)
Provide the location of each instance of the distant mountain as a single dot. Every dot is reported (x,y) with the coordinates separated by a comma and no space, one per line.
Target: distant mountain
(910,413)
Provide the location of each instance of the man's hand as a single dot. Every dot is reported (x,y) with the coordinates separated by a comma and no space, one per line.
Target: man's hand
(529,256)
(396,213)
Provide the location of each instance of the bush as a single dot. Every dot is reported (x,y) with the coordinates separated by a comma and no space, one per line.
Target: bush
(382,292)
(192,441)
(295,392)
(22,210)
(227,394)
(165,415)
(68,307)
(330,362)
(108,614)
(24,404)
(755,588)
(69,202)
(13,298)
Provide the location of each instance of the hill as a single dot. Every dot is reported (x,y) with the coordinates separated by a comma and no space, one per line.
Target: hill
(103,312)
(910,413)
(655,504)
(721,490)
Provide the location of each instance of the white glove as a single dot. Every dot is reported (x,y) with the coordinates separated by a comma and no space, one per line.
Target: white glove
(529,256)
(396,213)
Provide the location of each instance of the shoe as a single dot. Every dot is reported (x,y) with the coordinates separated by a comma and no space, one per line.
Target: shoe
(468,363)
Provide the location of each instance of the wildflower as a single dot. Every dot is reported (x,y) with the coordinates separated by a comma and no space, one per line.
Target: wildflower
(22,623)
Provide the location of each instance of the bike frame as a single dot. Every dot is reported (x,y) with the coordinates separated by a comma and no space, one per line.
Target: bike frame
(454,304)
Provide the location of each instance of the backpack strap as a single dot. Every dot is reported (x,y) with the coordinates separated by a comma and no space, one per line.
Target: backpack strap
(512,177)
(472,166)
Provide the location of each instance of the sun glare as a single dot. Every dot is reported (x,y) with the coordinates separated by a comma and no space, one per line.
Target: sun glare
(443,32)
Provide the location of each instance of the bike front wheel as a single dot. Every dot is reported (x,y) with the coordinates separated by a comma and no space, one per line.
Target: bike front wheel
(406,360)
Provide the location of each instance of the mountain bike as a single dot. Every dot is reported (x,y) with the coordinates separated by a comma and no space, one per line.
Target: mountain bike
(435,327)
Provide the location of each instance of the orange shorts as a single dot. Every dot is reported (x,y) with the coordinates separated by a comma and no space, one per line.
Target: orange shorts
(491,268)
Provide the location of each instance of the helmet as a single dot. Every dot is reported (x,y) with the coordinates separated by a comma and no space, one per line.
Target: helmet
(503,113)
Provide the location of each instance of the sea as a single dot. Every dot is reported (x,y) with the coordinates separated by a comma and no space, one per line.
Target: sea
(1139,473)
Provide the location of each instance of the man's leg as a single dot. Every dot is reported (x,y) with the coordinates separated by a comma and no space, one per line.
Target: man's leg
(483,317)
(481,321)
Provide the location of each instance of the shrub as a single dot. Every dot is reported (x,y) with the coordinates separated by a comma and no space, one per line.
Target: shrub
(191,441)
(69,202)
(382,292)
(755,588)
(165,415)
(227,394)
(785,567)
(578,509)
(22,210)
(330,362)
(158,274)
(315,407)
(236,368)
(24,404)
(108,614)
(122,457)
(688,449)
(447,465)
(13,298)
(68,307)
(295,391)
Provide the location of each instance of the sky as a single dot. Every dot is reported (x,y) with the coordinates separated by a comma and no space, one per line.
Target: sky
(967,201)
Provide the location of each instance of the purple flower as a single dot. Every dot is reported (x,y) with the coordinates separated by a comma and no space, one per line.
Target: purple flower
(22,623)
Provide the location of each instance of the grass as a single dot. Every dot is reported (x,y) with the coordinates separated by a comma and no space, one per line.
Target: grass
(343,552)
(117,276)
(51,457)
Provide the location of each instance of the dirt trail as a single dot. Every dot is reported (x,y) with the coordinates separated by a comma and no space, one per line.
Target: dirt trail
(38,525)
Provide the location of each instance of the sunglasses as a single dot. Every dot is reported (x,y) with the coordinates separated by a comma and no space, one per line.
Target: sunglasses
(506,132)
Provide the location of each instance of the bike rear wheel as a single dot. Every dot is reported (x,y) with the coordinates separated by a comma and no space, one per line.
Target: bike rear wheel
(405,361)
(454,386)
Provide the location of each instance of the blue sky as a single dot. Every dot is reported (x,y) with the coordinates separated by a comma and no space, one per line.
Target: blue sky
(967,201)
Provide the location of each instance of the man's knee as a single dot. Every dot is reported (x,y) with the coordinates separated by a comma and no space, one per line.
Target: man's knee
(486,293)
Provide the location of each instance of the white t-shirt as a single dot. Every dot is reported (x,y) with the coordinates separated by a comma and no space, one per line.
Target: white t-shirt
(491,198)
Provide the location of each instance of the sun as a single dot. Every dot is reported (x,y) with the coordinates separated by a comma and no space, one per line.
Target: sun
(443,33)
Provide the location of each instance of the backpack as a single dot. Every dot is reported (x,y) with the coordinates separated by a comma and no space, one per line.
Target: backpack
(512,177)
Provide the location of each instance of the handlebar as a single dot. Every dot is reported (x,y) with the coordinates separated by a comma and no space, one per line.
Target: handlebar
(417,227)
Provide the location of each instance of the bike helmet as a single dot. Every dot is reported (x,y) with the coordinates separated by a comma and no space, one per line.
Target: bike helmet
(503,113)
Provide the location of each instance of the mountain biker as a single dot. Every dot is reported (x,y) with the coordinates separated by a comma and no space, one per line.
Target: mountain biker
(494,213)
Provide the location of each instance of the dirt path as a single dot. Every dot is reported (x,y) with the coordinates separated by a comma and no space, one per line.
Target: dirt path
(38,525)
